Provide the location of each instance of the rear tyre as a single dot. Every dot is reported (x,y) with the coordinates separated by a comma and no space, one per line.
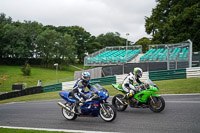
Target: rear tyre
(157,104)
(67,114)
(118,105)
(110,113)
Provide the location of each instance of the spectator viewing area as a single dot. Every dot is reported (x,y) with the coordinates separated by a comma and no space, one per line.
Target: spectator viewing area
(113,55)
(173,54)
(177,52)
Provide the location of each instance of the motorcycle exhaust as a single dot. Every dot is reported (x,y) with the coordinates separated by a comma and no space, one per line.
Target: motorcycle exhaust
(120,100)
(64,107)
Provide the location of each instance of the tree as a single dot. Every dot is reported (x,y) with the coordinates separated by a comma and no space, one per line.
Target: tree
(3,21)
(65,50)
(14,42)
(145,42)
(175,21)
(82,38)
(17,39)
(111,39)
(46,41)
(32,30)
(55,47)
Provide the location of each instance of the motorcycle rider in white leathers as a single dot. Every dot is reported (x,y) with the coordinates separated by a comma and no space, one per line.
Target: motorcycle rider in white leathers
(127,84)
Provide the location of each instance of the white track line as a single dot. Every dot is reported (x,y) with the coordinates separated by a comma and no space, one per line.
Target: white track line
(58,130)
(189,94)
(182,101)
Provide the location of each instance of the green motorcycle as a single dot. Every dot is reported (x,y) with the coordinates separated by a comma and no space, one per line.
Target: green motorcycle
(142,99)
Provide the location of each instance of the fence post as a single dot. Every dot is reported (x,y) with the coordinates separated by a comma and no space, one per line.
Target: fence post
(167,56)
(190,60)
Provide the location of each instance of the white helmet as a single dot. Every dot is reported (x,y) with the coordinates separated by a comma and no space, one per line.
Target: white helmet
(86,76)
(138,72)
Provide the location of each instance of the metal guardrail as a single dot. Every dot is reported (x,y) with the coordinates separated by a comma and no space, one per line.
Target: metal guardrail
(27,91)
(167,74)
(50,88)
(104,80)
(193,72)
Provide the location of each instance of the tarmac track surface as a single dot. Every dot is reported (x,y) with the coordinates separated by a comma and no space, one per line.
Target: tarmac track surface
(181,114)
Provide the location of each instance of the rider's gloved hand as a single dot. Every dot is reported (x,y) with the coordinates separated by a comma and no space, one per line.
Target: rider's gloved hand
(127,94)
(87,96)
(131,93)
(82,100)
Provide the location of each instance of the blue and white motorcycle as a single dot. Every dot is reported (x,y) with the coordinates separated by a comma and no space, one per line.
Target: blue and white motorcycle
(95,106)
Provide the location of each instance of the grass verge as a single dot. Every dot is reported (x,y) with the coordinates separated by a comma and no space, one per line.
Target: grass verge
(34,97)
(48,76)
(7,130)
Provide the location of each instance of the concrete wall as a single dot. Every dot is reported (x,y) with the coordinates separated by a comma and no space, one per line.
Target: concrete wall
(95,73)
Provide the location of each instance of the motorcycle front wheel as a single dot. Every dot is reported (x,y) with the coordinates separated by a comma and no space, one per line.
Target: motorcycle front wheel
(157,104)
(117,104)
(108,113)
(67,114)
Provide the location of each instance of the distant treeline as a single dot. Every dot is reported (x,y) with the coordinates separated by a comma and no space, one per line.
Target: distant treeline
(21,41)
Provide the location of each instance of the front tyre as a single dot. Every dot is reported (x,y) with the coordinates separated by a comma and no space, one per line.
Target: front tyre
(67,114)
(117,104)
(108,113)
(157,104)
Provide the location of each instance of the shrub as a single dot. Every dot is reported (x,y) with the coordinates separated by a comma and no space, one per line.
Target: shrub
(26,69)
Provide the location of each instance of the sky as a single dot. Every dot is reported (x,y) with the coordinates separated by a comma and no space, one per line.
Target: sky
(95,16)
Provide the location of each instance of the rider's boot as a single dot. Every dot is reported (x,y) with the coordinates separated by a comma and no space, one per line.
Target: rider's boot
(76,108)
(126,97)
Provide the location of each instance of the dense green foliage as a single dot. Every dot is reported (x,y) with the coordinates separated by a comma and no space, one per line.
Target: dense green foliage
(111,39)
(175,21)
(145,42)
(47,45)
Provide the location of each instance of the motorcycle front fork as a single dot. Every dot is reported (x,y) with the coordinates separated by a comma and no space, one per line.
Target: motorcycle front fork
(104,109)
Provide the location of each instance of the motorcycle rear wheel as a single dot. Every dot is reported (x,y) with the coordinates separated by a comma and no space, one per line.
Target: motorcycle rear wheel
(117,104)
(67,114)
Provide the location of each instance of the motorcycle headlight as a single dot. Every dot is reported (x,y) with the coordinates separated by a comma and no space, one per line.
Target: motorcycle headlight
(106,93)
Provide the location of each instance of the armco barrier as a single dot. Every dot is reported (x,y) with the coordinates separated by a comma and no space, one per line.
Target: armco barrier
(167,74)
(104,80)
(193,72)
(50,88)
(27,91)
(68,85)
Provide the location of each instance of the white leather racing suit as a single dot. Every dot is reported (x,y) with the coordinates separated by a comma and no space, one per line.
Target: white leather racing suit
(127,84)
